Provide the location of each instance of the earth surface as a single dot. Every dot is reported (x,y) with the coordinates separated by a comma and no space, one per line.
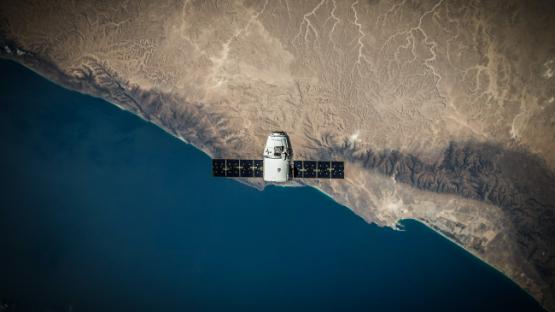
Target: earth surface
(444,111)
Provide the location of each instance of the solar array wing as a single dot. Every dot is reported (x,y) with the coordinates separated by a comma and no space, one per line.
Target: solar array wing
(235,168)
(310,169)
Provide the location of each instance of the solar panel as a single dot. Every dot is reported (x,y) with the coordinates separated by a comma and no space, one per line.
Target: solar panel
(310,169)
(298,169)
(232,168)
(246,168)
(218,167)
(338,170)
(323,169)
(258,168)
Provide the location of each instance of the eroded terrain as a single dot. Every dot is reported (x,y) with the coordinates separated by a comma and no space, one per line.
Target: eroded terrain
(443,110)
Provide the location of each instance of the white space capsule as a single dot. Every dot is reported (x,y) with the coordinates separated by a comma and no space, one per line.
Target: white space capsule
(277,157)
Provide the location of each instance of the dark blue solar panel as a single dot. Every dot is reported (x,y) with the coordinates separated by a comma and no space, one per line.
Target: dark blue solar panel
(247,169)
(323,169)
(338,170)
(218,167)
(258,168)
(297,169)
(232,168)
(310,169)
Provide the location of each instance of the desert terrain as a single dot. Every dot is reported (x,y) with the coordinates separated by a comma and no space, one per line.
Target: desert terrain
(444,111)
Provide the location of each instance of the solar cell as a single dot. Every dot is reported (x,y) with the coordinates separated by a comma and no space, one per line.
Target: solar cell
(338,170)
(297,169)
(247,169)
(310,169)
(218,167)
(232,168)
(323,169)
(258,168)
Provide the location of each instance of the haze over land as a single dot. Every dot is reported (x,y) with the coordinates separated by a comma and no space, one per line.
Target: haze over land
(443,110)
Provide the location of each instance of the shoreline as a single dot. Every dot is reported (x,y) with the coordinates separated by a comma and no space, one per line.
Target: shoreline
(20,59)
(474,255)
(447,238)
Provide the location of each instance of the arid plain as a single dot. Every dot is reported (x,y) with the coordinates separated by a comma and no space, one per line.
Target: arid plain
(444,111)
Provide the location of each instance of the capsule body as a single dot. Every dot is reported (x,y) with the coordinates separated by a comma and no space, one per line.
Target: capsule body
(277,157)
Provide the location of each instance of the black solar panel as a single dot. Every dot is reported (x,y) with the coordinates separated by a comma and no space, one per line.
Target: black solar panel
(310,169)
(235,168)
(258,168)
(218,167)
(247,169)
(338,170)
(232,168)
(323,169)
(298,169)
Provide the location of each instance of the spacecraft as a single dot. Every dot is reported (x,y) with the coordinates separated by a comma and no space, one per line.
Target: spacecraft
(277,165)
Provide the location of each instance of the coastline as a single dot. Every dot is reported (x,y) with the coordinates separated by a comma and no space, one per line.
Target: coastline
(399,227)
(474,255)
(58,80)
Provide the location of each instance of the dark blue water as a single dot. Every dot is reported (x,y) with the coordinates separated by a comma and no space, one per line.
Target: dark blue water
(103,211)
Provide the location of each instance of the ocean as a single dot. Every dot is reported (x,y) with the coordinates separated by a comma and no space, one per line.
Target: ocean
(102,211)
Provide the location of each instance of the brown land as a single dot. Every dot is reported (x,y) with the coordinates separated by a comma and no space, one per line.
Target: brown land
(443,110)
